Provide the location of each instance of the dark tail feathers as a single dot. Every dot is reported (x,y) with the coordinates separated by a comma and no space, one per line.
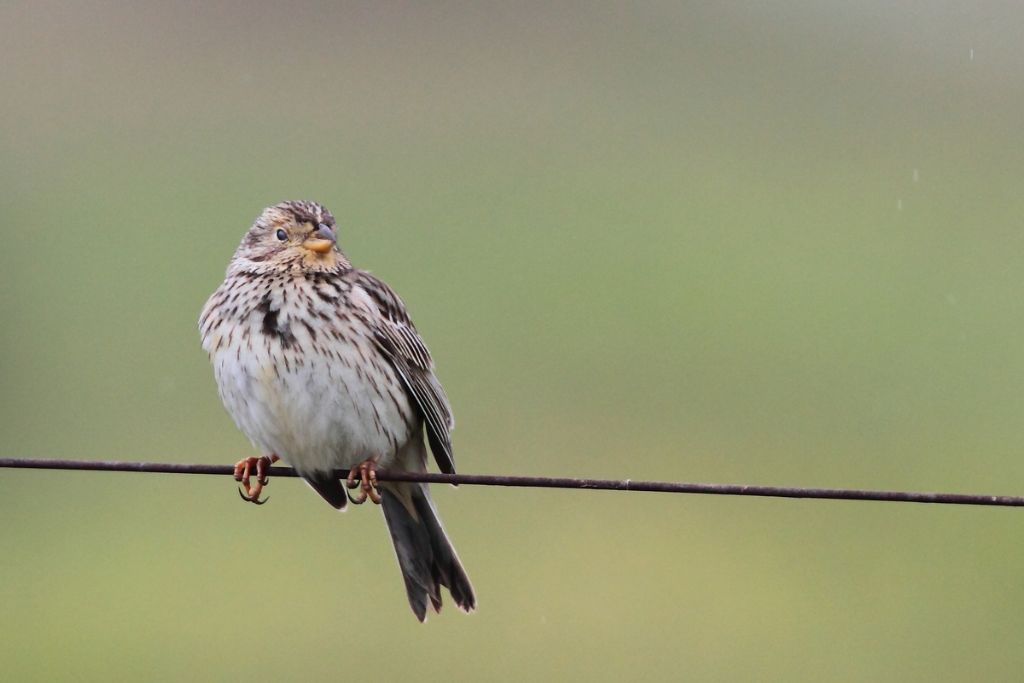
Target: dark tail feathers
(425,555)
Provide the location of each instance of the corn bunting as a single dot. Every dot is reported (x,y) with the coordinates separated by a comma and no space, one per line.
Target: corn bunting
(320,366)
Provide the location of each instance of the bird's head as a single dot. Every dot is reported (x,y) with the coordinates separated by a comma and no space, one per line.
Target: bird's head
(292,235)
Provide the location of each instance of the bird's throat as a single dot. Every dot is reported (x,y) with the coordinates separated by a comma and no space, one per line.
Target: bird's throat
(314,261)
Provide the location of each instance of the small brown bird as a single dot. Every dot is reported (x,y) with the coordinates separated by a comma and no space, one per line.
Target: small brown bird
(320,366)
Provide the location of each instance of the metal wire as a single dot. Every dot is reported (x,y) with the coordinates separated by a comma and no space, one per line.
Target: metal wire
(546,482)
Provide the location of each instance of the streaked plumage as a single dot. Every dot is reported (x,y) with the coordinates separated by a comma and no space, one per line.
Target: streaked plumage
(318,363)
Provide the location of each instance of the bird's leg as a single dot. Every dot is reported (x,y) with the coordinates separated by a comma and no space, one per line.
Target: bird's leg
(367,482)
(243,473)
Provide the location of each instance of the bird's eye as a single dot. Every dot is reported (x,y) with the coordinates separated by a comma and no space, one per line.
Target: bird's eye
(282,235)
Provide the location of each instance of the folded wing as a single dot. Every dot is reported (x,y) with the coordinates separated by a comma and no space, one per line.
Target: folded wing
(398,339)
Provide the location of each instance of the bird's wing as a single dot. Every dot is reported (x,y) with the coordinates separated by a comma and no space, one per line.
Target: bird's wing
(397,337)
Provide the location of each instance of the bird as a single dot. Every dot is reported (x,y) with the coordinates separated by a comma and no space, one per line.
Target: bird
(319,364)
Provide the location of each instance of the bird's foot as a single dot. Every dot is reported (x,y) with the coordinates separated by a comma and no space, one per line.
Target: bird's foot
(364,477)
(243,473)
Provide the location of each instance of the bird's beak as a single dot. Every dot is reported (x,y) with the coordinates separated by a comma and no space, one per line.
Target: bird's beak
(321,241)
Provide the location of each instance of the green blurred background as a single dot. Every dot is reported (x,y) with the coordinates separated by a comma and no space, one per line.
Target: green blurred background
(774,243)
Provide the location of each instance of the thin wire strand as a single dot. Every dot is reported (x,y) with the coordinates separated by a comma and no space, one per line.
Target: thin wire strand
(545,482)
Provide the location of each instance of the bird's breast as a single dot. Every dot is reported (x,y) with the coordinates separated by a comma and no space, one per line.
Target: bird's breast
(305,380)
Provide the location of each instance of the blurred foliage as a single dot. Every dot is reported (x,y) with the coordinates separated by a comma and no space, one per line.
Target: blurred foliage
(767,244)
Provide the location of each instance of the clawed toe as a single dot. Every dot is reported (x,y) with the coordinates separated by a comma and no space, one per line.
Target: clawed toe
(254,495)
(366,482)
(243,473)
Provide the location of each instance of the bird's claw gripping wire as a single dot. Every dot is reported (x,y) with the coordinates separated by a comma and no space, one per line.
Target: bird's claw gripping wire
(366,481)
(243,473)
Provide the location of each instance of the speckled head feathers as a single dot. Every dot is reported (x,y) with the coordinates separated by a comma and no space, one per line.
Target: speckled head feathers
(298,211)
(283,238)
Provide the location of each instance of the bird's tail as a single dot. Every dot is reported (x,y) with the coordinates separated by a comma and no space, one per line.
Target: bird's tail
(425,555)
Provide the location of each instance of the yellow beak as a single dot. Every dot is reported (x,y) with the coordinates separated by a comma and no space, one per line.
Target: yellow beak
(321,241)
